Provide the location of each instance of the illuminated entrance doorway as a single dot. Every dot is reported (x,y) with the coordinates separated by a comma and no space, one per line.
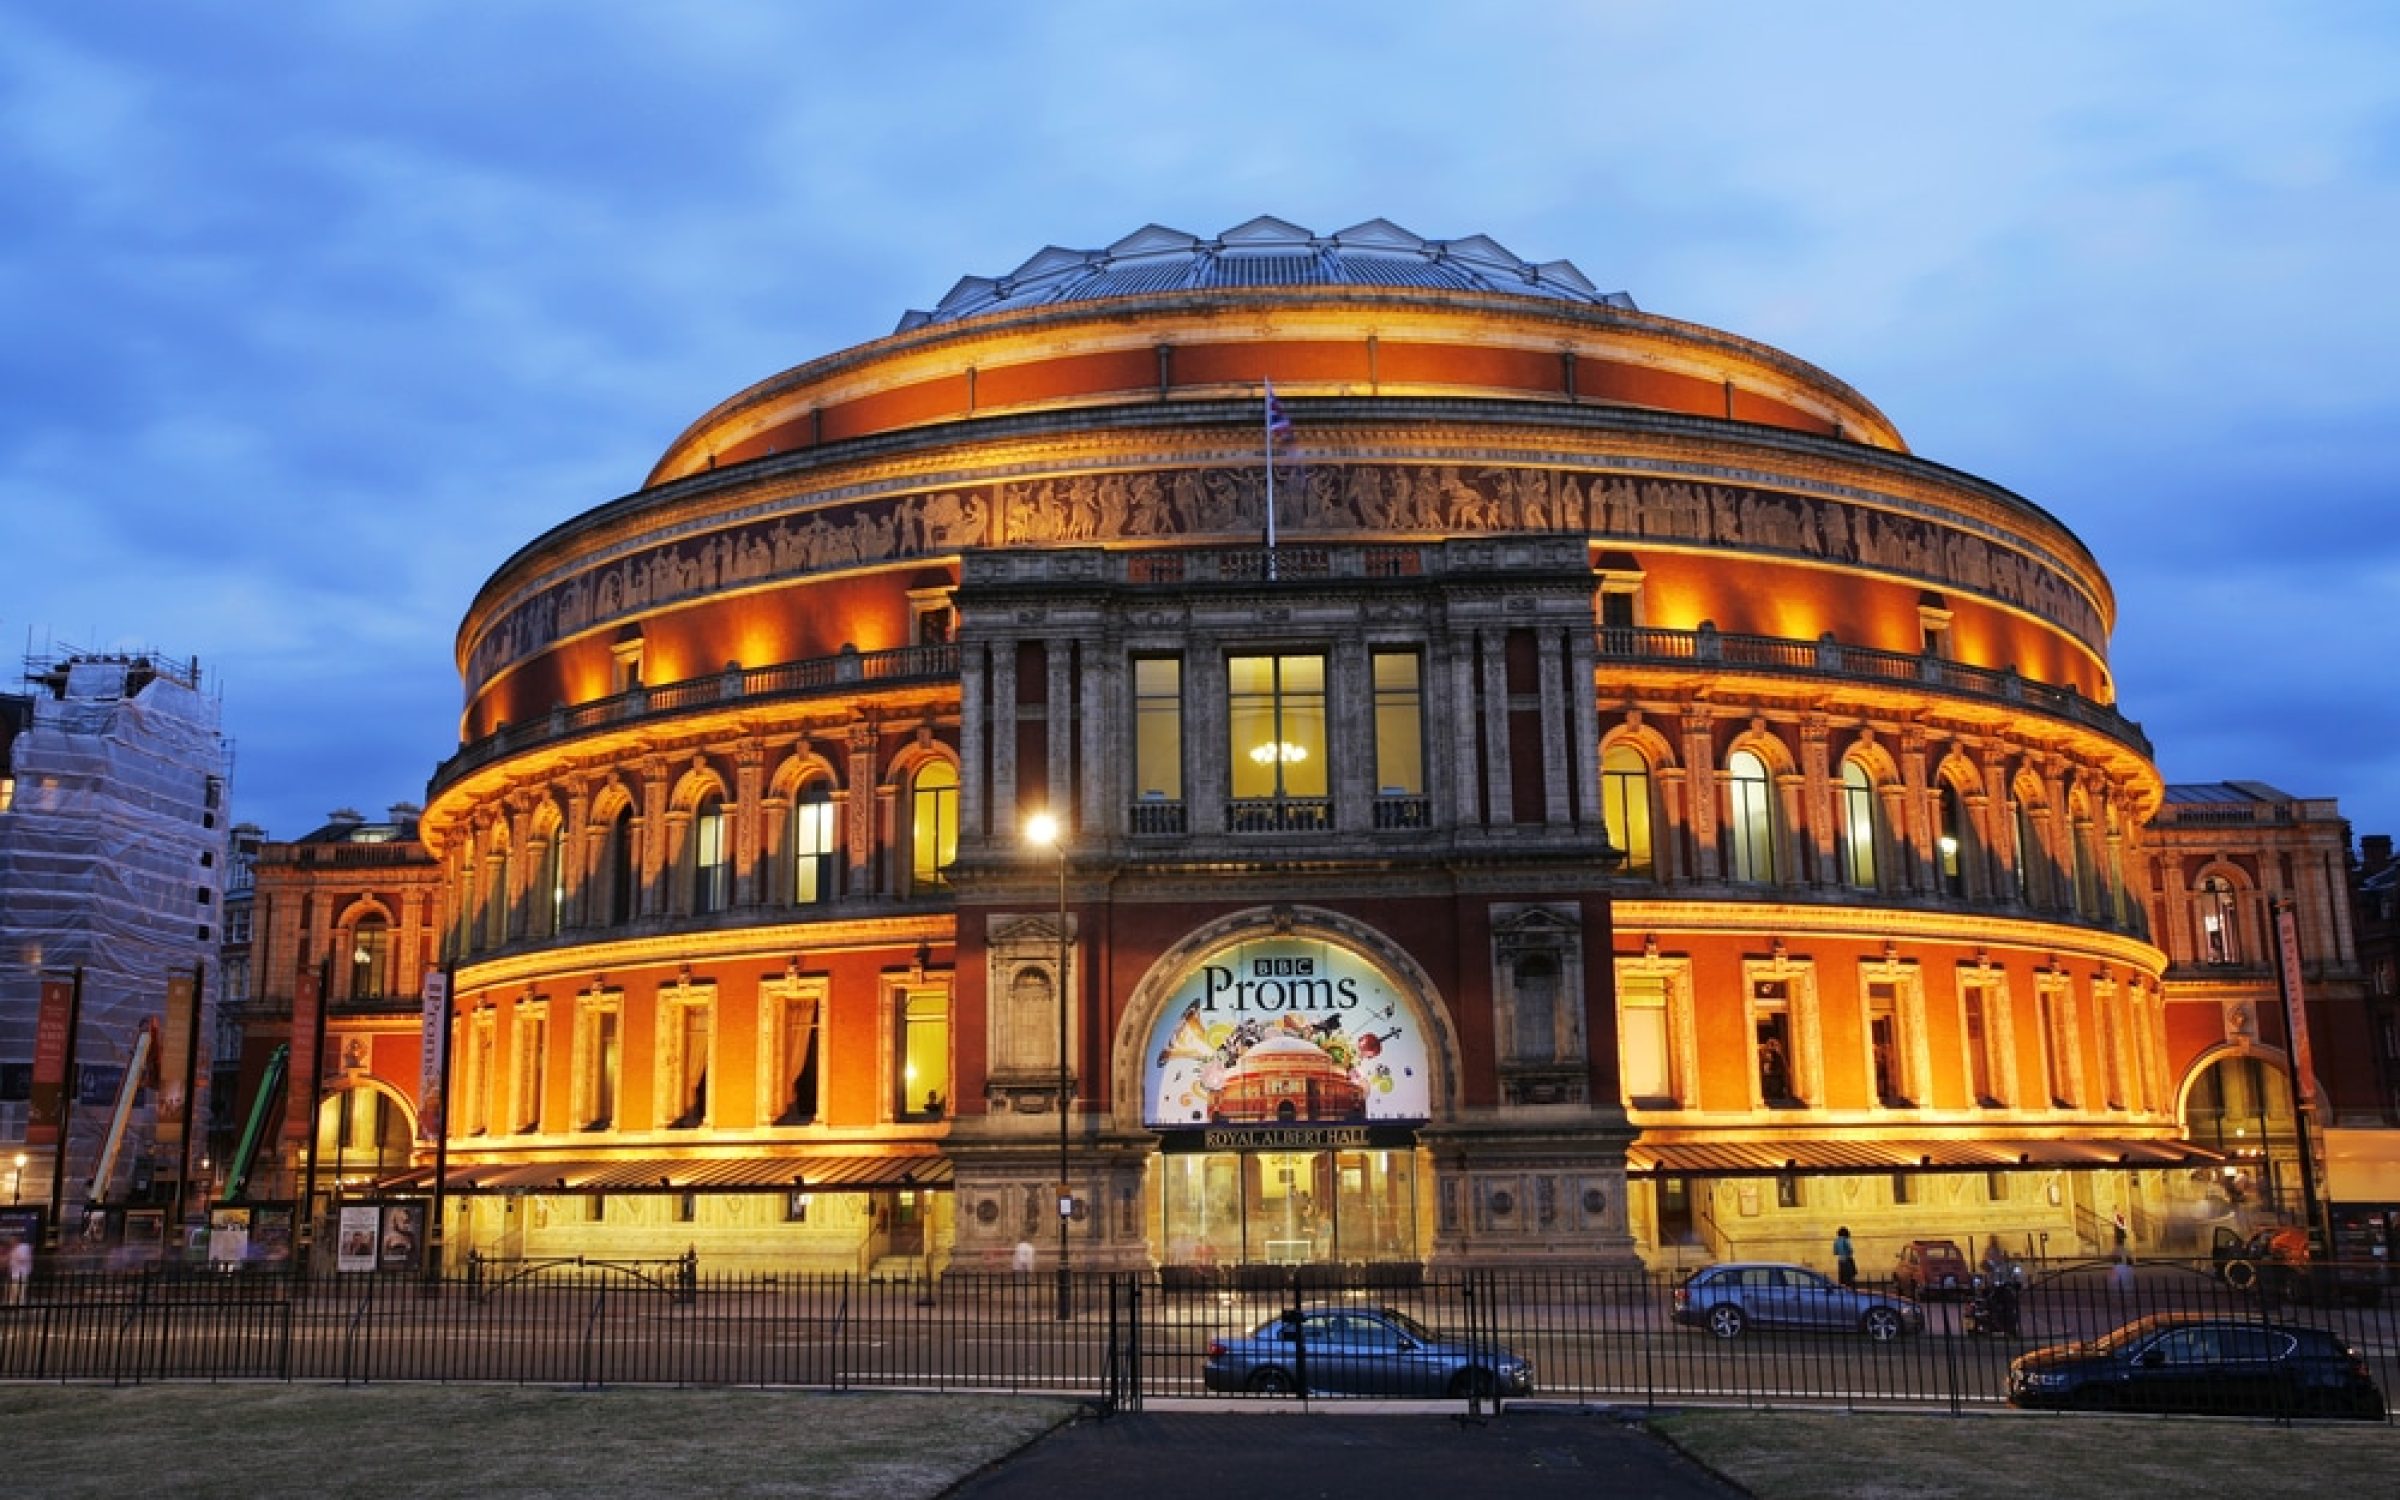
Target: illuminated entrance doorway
(1286,1078)
(2241,1106)
(1289,1207)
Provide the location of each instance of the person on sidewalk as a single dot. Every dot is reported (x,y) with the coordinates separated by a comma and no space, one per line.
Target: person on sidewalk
(20,1270)
(1845,1259)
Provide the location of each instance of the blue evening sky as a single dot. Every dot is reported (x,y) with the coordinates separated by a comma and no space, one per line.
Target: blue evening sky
(311,314)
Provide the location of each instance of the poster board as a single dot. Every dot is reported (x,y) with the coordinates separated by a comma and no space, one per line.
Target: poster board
(357,1235)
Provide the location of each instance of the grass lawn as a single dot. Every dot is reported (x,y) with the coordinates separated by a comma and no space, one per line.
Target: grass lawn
(1812,1456)
(321,1441)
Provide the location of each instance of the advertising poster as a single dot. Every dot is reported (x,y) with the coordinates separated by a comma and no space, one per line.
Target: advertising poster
(354,1239)
(403,1234)
(434,1040)
(228,1236)
(1285,1032)
(173,1047)
(271,1235)
(53,1024)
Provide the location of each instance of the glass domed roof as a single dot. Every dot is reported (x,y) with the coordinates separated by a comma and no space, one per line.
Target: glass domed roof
(1266,252)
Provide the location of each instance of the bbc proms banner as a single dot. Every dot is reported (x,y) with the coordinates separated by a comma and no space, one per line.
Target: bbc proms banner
(435,1038)
(1285,1031)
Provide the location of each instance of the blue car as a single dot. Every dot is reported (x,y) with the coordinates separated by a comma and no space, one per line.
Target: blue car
(1360,1351)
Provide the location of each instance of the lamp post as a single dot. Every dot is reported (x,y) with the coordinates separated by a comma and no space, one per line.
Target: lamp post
(1045,829)
(16,1186)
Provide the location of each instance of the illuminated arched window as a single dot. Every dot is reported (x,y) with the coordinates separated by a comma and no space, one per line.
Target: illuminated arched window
(1625,804)
(1950,846)
(932,826)
(550,900)
(1857,841)
(812,840)
(1749,819)
(617,866)
(2220,937)
(2029,852)
(712,857)
(370,958)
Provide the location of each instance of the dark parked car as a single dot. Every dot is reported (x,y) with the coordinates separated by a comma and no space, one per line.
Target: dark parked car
(2188,1362)
(1361,1351)
(1737,1295)
(1931,1269)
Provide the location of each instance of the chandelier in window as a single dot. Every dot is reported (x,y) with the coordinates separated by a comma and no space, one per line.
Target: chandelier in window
(1278,750)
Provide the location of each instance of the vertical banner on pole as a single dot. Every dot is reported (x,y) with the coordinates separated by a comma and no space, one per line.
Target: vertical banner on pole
(300,1081)
(432,1107)
(174,1058)
(2295,1005)
(47,1111)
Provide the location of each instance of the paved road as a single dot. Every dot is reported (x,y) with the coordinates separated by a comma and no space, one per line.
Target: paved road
(1529,1453)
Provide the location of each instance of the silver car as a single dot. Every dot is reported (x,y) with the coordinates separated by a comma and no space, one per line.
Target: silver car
(1738,1295)
(1360,1351)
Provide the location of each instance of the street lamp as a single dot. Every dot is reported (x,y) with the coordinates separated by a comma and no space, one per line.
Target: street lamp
(1045,830)
(16,1187)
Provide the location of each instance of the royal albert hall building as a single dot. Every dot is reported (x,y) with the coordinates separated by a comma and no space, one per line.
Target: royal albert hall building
(1537,782)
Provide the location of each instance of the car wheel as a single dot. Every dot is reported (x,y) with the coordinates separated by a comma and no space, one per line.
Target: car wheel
(1881,1324)
(2241,1275)
(1726,1321)
(1473,1384)
(1271,1381)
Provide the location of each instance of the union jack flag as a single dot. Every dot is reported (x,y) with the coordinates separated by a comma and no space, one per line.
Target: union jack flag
(1279,426)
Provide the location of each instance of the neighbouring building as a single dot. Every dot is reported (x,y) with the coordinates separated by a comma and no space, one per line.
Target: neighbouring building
(112,784)
(1526,781)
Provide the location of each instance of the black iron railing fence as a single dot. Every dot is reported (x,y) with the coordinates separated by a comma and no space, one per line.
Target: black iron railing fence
(1131,1337)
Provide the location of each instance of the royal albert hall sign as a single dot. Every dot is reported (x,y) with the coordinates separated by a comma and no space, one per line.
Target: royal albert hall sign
(1285,1038)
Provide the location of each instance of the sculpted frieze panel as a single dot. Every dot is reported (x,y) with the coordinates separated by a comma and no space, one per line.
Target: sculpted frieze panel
(1321,498)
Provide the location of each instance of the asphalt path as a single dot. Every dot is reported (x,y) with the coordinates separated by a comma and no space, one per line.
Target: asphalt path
(1528,1453)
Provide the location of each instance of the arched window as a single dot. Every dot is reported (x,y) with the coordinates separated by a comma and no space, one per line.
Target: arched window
(1625,804)
(2087,869)
(812,840)
(1749,819)
(712,857)
(2220,934)
(932,826)
(550,900)
(2029,852)
(498,867)
(370,957)
(617,865)
(1857,843)
(1950,846)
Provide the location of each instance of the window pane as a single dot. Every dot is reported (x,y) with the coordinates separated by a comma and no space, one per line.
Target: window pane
(1750,843)
(812,844)
(1858,827)
(933,826)
(1625,803)
(1276,718)
(1642,1029)
(924,1055)
(1399,725)
(1158,729)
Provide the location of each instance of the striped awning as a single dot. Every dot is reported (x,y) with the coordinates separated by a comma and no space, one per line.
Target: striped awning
(1766,1157)
(725,1174)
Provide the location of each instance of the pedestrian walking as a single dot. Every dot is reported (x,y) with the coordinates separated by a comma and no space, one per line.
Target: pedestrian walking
(1845,1259)
(20,1270)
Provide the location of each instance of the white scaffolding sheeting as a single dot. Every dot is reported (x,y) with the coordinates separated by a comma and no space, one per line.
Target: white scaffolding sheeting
(112,861)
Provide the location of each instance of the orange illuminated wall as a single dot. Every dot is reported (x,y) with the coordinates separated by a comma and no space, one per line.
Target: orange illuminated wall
(790,622)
